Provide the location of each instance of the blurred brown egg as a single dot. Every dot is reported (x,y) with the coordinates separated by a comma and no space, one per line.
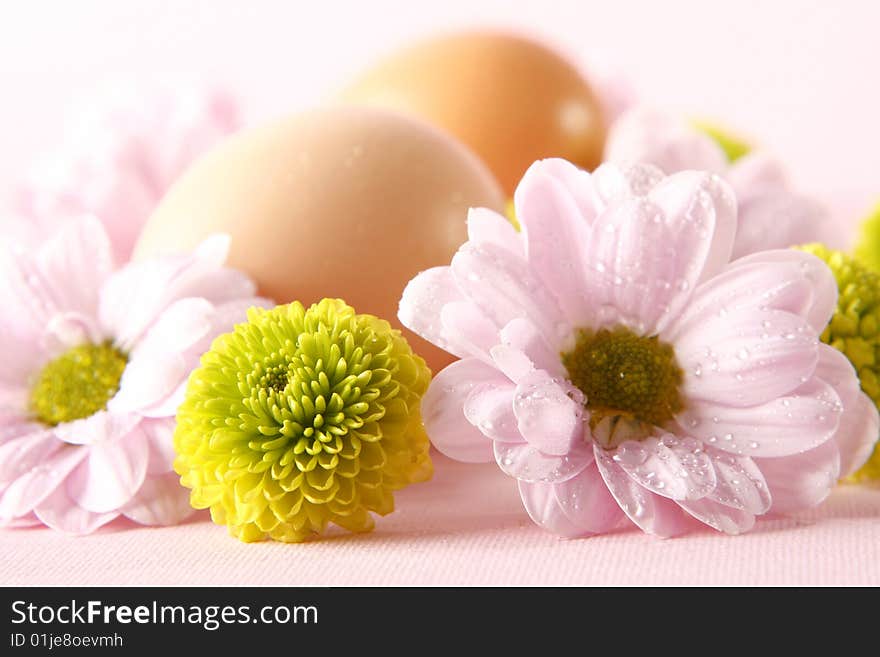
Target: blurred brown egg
(343,202)
(511,99)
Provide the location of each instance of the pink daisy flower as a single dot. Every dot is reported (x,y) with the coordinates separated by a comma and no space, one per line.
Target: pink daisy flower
(771,214)
(95,364)
(618,365)
(123,153)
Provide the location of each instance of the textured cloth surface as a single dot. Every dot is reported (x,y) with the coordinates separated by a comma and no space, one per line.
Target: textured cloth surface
(465,527)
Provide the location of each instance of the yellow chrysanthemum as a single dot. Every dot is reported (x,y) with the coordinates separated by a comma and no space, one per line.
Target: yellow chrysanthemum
(854,328)
(300,418)
(868,245)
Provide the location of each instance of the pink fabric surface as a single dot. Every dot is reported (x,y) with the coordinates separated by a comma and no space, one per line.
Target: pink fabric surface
(465,527)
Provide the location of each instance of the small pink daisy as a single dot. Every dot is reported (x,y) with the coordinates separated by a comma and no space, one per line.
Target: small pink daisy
(617,364)
(122,153)
(771,214)
(94,367)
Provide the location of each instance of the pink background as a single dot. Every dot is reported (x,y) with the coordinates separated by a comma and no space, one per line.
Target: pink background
(800,76)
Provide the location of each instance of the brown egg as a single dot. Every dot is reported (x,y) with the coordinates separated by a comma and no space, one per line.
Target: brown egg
(512,100)
(343,202)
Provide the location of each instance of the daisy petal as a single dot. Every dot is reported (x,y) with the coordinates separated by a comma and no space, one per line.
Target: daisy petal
(447,427)
(160,501)
(31,445)
(643,134)
(466,326)
(557,234)
(421,305)
(587,503)
(526,463)
(62,514)
(486,225)
(29,490)
(521,334)
(489,407)
(540,503)
(746,358)
(675,468)
(743,287)
(809,267)
(504,287)
(651,513)
(547,417)
(112,473)
(158,365)
(160,440)
(790,424)
(801,481)
(740,483)
(856,436)
(727,519)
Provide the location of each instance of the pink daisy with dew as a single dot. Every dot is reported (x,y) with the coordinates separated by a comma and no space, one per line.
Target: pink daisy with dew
(95,362)
(617,364)
(122,153)
(771,214)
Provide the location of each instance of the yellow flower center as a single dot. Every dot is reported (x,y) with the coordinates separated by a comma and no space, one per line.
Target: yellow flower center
(78,383)
(625,377)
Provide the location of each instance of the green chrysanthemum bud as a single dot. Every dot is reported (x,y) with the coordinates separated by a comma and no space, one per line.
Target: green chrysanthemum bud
(868,245)
(300,418)
(734,147)
(854,328)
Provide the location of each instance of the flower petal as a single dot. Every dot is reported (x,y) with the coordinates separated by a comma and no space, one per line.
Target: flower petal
(740,483)
(727,519)
(61,513)
(25,446)
(486,225)
(504,287)
(443,414)
(99,427)
(745,286)
(489,407)
(113,472)
(539,501)
(822,283)
(421,305)
(587,503)
(29,490)
(803,480)
(158,365)
(522,335)
(464,325)
(547,416)
(160,440)
(643,134)
(652,513)
(579,506)
(161,500)
(791,424)
(526,463)
(556,223)
(648,255)
(616,181)
(746,358)
(675,468)
(856,436)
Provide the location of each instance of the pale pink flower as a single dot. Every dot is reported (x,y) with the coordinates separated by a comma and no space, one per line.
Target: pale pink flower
(122,153)
(79,444)
(771,213)
(616,363)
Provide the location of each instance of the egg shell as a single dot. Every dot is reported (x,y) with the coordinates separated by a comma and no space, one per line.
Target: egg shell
(341,202)
(511,99)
